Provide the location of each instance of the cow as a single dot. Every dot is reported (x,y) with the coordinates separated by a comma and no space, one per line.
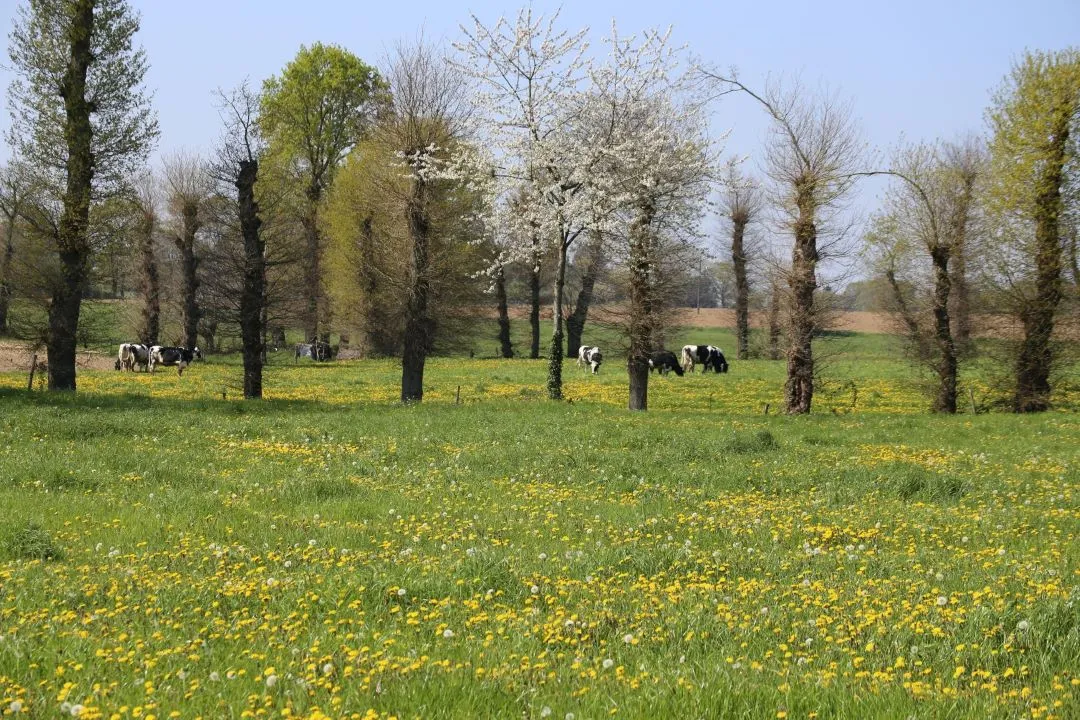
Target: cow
(170,356)
(664,360)
(590,356)
(708,356)
(132,354)
(316,350)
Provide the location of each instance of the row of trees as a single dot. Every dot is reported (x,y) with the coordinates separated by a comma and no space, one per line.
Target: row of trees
(389,204)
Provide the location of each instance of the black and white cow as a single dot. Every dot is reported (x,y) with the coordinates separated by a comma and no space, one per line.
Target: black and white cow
(170,356)
(132,354)
(590,356)
(316,350)
(708,356)
(664,360)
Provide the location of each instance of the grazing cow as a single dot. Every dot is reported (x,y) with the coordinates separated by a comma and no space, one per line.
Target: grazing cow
(170,356)
(316,350)
(664,360)
(708,356)
(590,355)
(132,354)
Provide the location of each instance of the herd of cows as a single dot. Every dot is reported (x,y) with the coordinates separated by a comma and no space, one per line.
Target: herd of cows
(709,357)
(148,357)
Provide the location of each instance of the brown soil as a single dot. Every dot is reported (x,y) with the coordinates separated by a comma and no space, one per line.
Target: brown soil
(15,356)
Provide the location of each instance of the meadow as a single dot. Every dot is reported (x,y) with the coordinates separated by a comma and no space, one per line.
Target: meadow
(165,552)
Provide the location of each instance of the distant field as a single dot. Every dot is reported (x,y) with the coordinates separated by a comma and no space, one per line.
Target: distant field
(329,553)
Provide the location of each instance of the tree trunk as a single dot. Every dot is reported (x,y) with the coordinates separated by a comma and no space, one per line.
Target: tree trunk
(208,330)
(555,356)
(774,321)
(6,262)
(253,294)
(961,294)
(312,265)
(641,308)
(945,400)
(915,334)
(575,324)
(534,300)
(799,388)
(189,267)
(149,282)
(505,347)
(1036,357)
(419,326)
(742,286)
(73,233)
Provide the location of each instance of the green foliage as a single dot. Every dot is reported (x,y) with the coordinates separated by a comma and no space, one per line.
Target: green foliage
(123,121)
(323,103)
(1039,99)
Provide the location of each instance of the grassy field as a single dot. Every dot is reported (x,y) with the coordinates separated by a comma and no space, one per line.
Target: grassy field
(328,553)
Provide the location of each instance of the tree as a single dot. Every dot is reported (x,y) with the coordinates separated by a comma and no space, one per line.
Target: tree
(144,207)
(12,199)
(82,120)
(594,259)
(506,348)
(812,159)
(1032,116)
(740,204)
(187,188)
(528,73)
(650,179)
(235,213)
(322,105)
(415,147)
(929,212)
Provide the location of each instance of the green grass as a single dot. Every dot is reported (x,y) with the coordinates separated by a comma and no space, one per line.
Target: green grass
(163,550)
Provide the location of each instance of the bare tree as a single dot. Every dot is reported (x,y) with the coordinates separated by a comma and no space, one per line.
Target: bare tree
(187,187)
(741,203)
(237,164)
(812,157)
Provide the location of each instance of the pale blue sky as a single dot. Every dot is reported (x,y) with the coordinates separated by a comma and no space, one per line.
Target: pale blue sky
(921,68)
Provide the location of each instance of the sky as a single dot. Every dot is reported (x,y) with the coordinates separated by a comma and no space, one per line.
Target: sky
(913,69)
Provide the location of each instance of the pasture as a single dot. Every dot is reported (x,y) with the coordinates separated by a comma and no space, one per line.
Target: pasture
(328,553)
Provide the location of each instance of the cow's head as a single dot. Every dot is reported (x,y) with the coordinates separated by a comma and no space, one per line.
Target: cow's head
(196,354)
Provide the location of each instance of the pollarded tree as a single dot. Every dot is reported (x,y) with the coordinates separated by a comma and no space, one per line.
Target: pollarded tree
(812,159)
(928,214)
(324,102)
(645,139)
(528,73)
(187,187)
(236,170)
(740,204)
(1033,155)
(82,121)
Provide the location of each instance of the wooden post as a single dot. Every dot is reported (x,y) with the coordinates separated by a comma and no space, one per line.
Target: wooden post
(457,398)
(971,396)
(33,367)
(223,394)
(766,408)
